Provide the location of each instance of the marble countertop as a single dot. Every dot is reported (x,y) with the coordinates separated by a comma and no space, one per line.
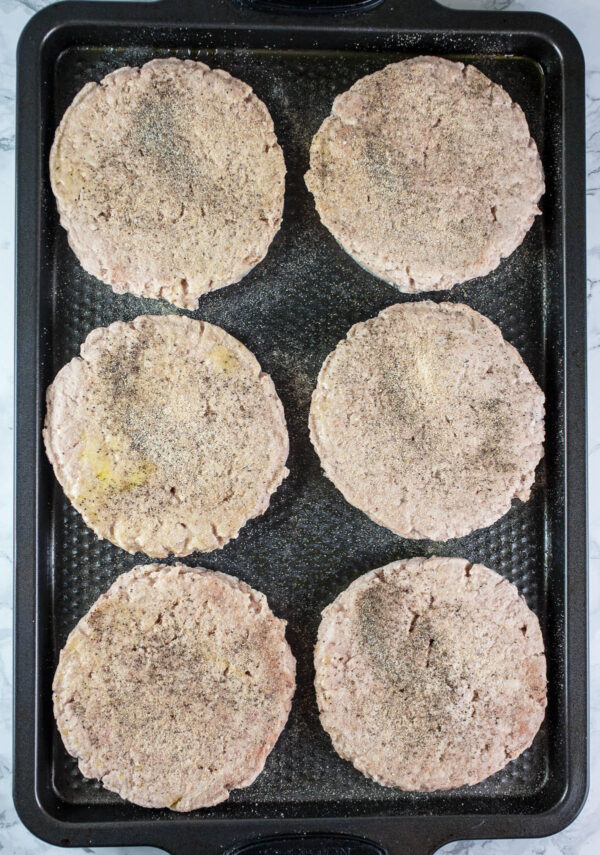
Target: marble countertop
(583,836)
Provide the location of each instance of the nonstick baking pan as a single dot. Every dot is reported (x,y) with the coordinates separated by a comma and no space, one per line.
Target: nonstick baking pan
(291,310)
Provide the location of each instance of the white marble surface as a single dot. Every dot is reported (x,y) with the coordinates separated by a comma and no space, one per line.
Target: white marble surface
(583,836)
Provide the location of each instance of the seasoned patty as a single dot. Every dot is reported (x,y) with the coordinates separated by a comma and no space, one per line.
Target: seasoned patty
(430,673)
(166,435)
(174,687)
(428,421)
(426,173)
(168,179)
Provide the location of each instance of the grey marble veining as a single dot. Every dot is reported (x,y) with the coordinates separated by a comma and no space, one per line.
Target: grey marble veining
(583,836)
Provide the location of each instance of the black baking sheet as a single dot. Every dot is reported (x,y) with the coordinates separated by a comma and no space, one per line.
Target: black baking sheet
(291,311)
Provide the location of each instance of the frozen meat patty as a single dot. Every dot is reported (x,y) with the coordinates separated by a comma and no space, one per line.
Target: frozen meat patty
(175,686)
(430,673)
(426,173)
(169,179)
(166,435)
(428,420)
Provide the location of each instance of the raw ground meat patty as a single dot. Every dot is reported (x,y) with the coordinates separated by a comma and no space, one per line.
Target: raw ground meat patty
(168,179)
(430,673)
(428,420)
(426,173)
(166,435)
(175,686)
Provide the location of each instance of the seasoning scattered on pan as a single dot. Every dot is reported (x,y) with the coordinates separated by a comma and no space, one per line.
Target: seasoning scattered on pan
(426,173)
(428,420)
(430,674)
(169,179)
(175,686)
(166,435)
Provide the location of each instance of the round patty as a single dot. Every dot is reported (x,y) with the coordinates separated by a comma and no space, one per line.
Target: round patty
(166,435)
(169,179)
(426,173)
(428,421)
(430,673)
(174,687)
